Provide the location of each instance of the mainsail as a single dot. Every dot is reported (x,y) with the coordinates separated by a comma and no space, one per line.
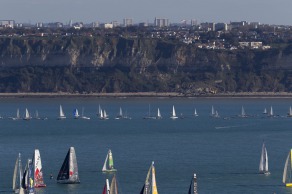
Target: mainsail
(69,170)
(287,170)
(17,175)
(173,116)
(38,171)
(75,113)
(264,165)
(150,186)
(27,116)
(114,185)
(159,114)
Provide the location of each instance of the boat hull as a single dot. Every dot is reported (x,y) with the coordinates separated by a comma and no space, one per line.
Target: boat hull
(288,184)
(68,181)
(110,171)
(40,185)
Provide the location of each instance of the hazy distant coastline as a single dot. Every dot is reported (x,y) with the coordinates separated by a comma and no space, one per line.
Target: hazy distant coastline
(149,94)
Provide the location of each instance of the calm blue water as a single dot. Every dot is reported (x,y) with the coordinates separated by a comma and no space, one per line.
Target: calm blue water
(224,153)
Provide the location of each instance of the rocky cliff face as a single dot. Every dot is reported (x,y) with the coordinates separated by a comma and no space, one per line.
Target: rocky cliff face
(172,66)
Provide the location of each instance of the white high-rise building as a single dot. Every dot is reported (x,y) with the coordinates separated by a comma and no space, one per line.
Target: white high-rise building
(161,22)
(128,22)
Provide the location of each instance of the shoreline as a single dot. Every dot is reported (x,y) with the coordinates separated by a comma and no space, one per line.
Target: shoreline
(148,95)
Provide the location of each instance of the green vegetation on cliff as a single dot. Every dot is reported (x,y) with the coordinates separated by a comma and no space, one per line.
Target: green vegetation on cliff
(117,64)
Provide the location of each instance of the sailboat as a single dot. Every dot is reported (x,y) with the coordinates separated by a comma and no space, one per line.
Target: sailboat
(17,175)
(17,115)
(75,113)
(264,163)
(98,111)
(265,111)
(290,112)
(150,186)
(173,116)
(158,114)
(212,111)
(103,115)
(288,170)
(68,173)
(38,170)
(149,114)
(61,114)
(26,116)
(193,189)
(243,115)
(195,113)
(82,115)
(37,115)
(120,114)
(27,183)
(110,160)
(271,112)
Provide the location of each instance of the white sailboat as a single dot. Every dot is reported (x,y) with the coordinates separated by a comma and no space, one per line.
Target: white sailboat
(173,116)
(98,111)
(75,113)
(37,115)
(158,114)
(61,114)
(103,115)
(120,114)
(17,175)
(108,165)
(290,112)
(149,114)
(193,189)
(195,113)
(271,112)
(287,174)
(242,114)
(150,186)
(17,115)
(264,163)
(82,115)
(68,173)
(26,116)
(212,111)
(265,111)
(38,170)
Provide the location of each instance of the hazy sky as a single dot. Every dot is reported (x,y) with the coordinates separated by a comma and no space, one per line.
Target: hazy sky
(264,11)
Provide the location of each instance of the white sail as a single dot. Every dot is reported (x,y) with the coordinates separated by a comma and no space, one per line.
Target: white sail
(287,170)
(120,114)
(27,116)
(242,112)
(264,164)
(104,165)
(17,114)
(212,111)
(290,112)
(271,111)
(17,175)
(61,113)
(105,114)
(76,113)
(173,116)
(158,114)
(195,113)
(38,170)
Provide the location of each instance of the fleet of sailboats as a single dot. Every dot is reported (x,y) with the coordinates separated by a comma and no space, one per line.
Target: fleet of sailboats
(108,165)
(68,173)
(264,163)
(150,186)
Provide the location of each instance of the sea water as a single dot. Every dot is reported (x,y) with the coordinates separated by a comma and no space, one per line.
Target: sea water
(224,152)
